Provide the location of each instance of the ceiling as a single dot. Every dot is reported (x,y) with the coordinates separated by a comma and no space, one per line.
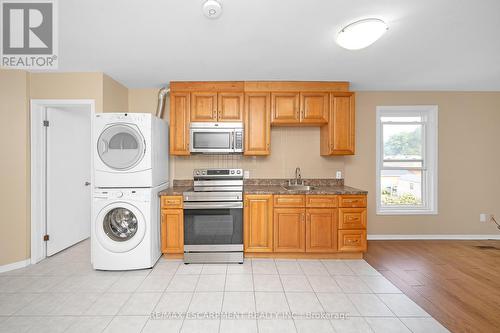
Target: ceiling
(430,44)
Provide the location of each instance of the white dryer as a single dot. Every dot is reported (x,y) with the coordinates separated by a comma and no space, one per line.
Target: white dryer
(125,232)
(130,150)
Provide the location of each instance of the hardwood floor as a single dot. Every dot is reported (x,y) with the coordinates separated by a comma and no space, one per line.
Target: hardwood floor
(457,282)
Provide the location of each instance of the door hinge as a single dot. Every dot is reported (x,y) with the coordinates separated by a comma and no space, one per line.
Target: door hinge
(45,238)
(46,123)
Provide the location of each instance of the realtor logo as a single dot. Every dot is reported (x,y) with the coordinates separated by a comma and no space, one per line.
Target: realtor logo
(29,36)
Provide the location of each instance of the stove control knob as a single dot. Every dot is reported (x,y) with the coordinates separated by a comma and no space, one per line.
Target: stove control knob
(238,172)
(118,194)
(197,172)
(203,172)
(232,172)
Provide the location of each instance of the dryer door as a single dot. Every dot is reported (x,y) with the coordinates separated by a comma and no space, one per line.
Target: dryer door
(120,227)
(121,146)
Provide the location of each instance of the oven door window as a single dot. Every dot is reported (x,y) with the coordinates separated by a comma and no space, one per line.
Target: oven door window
(212,140)
(213,226)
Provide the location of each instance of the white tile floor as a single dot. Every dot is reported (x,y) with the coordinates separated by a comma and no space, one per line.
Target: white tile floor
(64,294)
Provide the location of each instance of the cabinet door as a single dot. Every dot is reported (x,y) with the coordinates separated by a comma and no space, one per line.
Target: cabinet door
(179,123)
(314,108)
(230,106)
(258,223)
(285,108)
(172,231)
(203,106)
(342,130)
(257,123)
(289,230)
(321,230)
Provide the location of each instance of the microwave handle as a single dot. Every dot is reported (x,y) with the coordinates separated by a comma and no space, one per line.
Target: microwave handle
(232,139)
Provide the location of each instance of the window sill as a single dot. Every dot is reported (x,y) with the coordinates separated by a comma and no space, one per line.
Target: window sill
(406,212)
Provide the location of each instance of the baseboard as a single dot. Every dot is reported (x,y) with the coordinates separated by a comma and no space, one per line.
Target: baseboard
(437,237)
(14,265)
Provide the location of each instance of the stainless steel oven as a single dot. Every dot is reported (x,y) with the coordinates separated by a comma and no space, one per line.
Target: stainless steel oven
(213,217)
(216,138)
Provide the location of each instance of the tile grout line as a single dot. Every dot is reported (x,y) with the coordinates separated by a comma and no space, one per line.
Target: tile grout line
(284,292)
(192,296)
(222,303)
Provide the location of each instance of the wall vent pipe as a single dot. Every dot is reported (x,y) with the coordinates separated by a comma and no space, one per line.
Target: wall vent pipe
(162,96)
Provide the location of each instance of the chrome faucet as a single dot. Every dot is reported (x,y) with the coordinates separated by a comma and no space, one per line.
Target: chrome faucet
(298,177)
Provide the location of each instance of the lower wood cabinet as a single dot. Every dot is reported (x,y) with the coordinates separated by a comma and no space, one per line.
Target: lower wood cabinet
(352,240)
(258,223)
(289,230)
(172,231)
(321,230)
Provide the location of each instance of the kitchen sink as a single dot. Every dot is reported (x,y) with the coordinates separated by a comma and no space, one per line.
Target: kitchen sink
(298,187)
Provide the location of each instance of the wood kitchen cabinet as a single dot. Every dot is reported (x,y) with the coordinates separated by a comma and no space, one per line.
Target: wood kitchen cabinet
(289,229)
(172,225)
(179,123)
(230,106)
(258,223)
(285,108)
(352,223)
(337,137)
(257,123)
(321,230)
(216,107)
(203,106)
(294,108)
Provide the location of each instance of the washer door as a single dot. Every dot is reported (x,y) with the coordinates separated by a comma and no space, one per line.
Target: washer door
(120,227)
(121,146)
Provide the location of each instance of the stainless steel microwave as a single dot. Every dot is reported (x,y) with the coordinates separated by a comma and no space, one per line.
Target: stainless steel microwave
(216,138)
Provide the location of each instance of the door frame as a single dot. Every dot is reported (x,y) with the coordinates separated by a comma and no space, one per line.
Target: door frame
(38,170)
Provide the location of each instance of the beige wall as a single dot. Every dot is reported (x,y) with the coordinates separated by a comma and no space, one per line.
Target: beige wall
(115,95)
(68,86)
(143,100)
(469,160)
(14,168)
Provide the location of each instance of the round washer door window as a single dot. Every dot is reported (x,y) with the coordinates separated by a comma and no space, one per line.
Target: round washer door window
(120,227)
(120,224)
(120,147)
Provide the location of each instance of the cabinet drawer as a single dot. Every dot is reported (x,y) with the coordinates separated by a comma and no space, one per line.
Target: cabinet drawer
(352,201)
(352,218)
(171,201)
(289,200)
(321,201)
(352,240)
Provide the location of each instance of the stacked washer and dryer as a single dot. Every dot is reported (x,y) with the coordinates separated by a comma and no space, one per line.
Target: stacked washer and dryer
(130,168)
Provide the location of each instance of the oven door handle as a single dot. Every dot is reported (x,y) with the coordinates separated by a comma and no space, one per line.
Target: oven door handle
(214,205)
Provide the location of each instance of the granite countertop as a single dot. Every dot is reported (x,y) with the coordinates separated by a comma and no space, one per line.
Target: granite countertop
(274,189)
(277,189)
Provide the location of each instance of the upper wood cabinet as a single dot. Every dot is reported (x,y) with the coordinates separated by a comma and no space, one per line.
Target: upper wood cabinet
(179,123)
(314,108)
(294,108)
(203,106)
(213,106)
(258,223)
(289,229)
(321,230)
(230,106)
(257,123)
(285,108)
(337,138)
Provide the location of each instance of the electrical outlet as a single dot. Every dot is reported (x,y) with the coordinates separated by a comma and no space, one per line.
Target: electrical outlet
(338,175)
(483,217)
(246,174)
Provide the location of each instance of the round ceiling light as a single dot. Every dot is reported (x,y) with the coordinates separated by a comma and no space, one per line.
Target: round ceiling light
(212,9)
(361,34)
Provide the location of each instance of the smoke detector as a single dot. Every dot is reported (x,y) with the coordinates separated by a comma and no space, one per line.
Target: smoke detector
(212,9)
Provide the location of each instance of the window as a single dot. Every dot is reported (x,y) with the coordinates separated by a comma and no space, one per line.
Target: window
(407,159)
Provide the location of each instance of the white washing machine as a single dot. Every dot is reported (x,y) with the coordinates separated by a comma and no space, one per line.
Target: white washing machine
(125,232)
(130,150)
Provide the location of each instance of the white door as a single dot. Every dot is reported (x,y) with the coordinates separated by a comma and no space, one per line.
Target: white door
(68,176)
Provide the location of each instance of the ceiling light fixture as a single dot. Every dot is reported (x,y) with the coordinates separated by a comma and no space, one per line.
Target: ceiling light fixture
(361,34)
(212,9)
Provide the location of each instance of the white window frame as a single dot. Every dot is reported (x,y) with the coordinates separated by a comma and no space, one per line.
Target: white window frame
(429,115)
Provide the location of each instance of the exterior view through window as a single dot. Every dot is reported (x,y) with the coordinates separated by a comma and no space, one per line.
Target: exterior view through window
(407,159)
